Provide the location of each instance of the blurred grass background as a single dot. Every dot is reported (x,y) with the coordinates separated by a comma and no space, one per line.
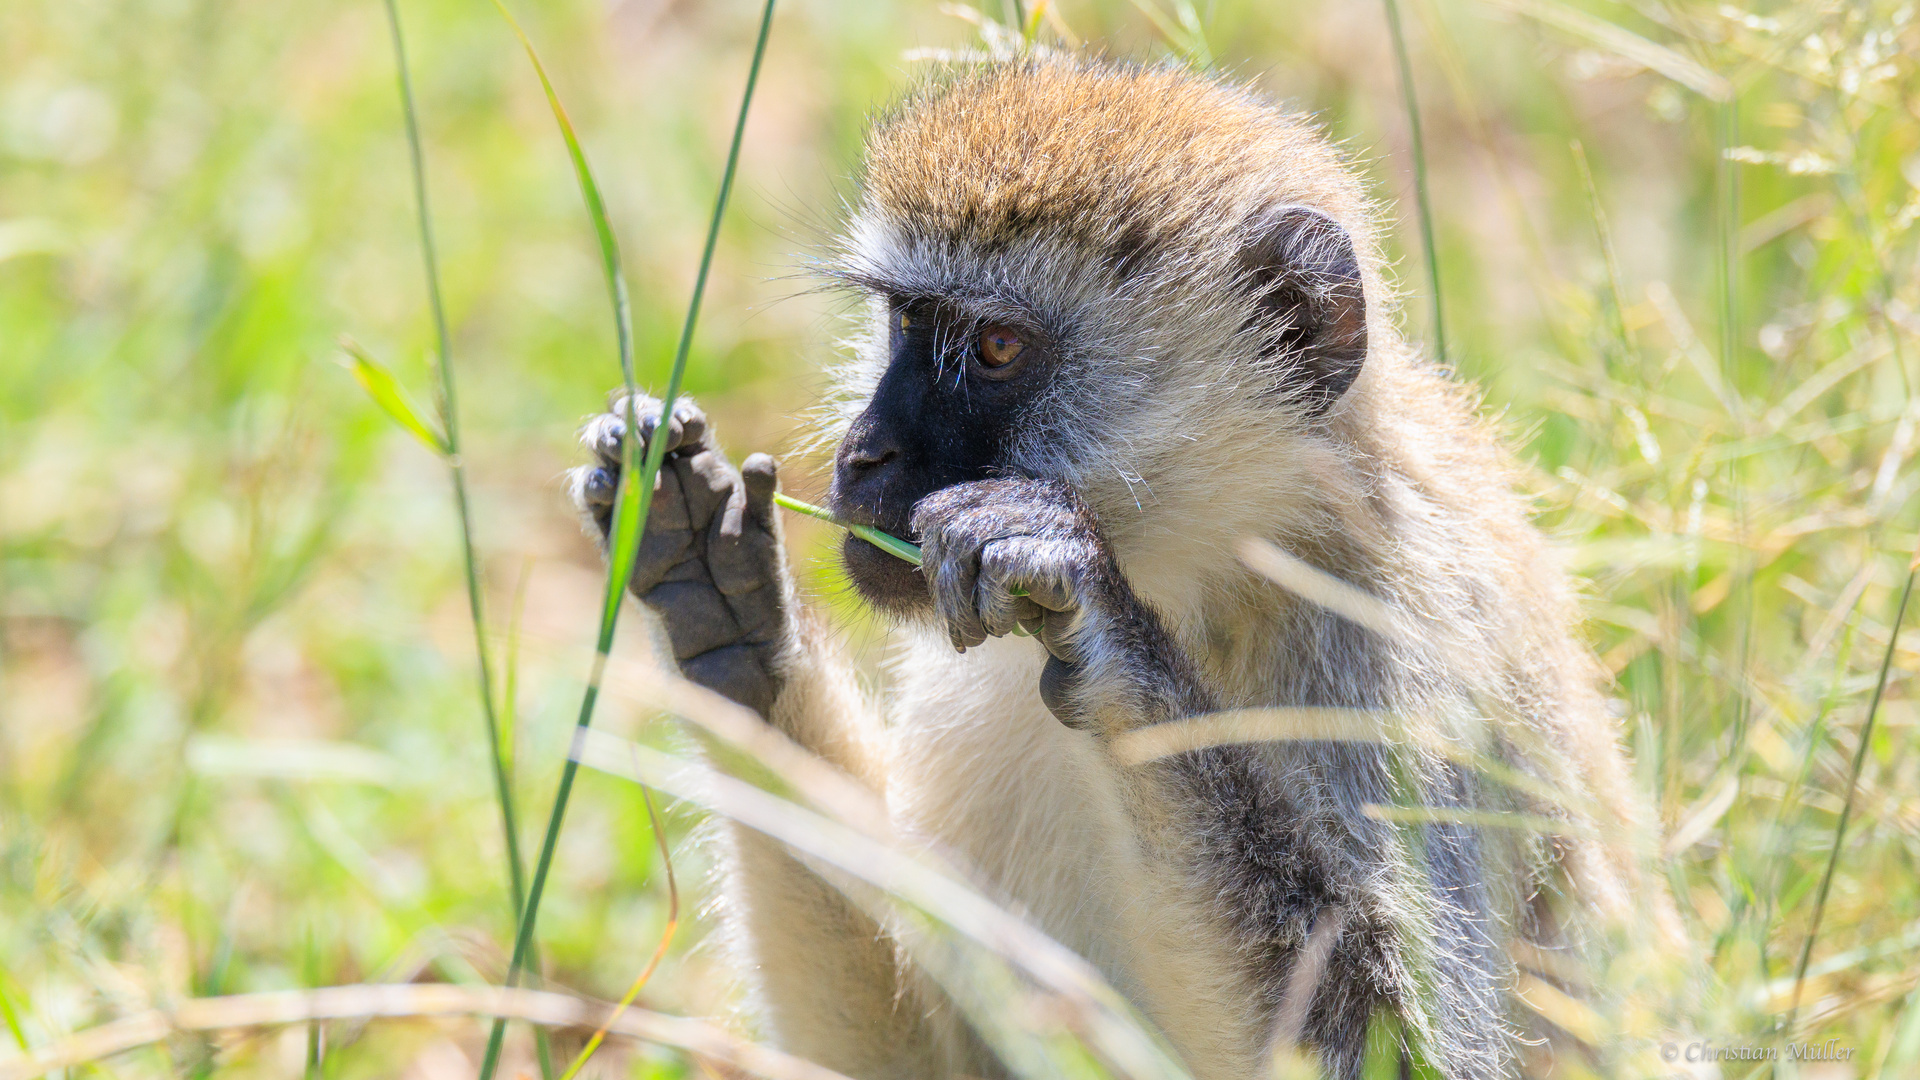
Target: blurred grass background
(240,746)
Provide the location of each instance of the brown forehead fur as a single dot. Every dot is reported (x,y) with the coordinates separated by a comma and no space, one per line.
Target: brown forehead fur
(1148,156)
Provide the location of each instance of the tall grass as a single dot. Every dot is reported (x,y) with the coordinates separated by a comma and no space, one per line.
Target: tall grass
(237,618)
(449,441)
(636,479)
(450,429)
(1403,67)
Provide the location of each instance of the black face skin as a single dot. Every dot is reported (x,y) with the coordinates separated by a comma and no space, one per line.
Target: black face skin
(943,414)
(953,395)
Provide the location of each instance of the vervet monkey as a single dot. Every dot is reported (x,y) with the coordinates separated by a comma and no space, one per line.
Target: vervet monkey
(1118,319)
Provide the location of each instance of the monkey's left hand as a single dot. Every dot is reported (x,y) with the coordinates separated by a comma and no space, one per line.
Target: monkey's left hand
(1000,554)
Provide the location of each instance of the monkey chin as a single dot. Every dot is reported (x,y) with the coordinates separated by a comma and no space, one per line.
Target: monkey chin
(892,585)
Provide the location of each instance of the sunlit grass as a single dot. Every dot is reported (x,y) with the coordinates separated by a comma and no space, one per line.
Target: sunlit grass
(237,744)
(634,498)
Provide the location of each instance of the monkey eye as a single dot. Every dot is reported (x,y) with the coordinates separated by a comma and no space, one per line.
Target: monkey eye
(999,347)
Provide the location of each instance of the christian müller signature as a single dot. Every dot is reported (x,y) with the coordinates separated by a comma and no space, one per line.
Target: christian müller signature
(1706,1050)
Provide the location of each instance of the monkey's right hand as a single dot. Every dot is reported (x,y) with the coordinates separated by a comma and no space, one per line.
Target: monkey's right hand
(710,561)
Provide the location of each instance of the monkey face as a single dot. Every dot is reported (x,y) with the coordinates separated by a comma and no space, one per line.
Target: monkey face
(956,388)
(1007,376)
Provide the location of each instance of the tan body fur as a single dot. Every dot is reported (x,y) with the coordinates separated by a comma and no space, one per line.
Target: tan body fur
(966,755)
(1113,198)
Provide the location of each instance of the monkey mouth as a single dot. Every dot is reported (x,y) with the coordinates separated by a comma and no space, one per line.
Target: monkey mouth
(889,583)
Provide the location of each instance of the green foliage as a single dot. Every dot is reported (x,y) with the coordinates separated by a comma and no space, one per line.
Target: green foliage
(237,741)
(387,393)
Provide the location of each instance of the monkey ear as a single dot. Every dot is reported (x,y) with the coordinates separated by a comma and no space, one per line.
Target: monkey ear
(1305,278)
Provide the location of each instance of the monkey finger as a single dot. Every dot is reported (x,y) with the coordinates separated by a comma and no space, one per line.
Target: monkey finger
(646,413)
(601,436)
(692,421)
(744,554)
(1001,595)
(592,487)
(952,579)
(665,555)
(762,476)
(686,428)
(597,488)
(669,509)
(1001,611)
(1056,634)
(591,490)
(605,434)
(708,480)
(1059,691)
(1051,591)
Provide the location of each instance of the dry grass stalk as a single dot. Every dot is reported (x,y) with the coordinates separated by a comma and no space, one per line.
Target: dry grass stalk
(1087,1006)
(411,1001)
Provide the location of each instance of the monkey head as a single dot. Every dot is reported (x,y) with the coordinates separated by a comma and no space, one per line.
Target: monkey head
(1085,273)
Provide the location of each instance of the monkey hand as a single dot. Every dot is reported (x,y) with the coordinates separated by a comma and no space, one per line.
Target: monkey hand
(710,561)
(1000,554)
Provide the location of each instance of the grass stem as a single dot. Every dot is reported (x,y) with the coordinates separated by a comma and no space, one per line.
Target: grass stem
(1853,787)
(886,542)
(450,429)
(456,466)
(636,493)
(659,950)
(1412,100)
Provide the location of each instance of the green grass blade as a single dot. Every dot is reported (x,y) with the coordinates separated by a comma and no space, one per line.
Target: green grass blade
(1412,101)
(316,1032)
(1196,29)
(450,418)
(385,391)
(631,507)
(10,1014)
(596,206)
(886,542)
(636,493)
(1853,786)
(1616,39)
(1604,237)
(1030,21)
(510,663)
(1183,29)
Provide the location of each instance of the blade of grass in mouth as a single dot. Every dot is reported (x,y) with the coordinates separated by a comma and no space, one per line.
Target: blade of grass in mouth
(887,542)
(892,545)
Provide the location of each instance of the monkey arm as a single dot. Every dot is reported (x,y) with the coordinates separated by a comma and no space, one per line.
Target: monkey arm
(1001,554)
(821,972)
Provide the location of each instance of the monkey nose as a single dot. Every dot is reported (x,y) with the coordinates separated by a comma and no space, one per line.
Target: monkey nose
(864,459)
